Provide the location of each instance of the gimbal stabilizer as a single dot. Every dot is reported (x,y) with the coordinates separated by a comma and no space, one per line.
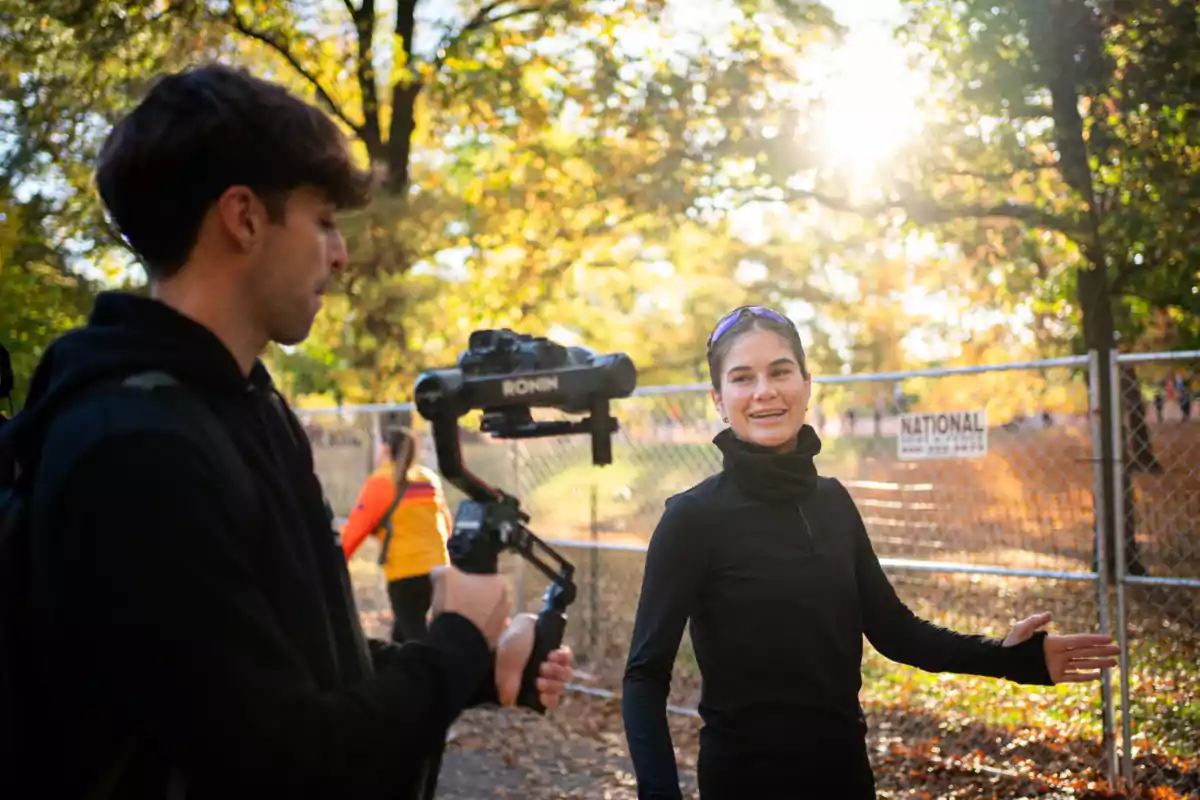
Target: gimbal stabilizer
(506,374)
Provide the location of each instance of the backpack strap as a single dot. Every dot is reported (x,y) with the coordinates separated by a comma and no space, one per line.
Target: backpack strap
(214,435)
(385,522)
(210,429)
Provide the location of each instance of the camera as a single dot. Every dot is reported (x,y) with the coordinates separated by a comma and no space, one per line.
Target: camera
(505,375)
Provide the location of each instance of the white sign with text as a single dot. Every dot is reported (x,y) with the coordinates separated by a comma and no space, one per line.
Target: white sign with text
(942,434)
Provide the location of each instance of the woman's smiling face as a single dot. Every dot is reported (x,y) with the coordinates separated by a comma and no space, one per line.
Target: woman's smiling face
(764,389)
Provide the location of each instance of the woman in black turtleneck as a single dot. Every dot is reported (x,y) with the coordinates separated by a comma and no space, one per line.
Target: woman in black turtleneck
(772,566)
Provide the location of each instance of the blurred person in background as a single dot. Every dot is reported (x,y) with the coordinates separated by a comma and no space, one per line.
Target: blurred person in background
(403,506)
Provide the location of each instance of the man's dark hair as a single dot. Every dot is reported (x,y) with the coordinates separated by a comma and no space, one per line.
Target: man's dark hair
(198,132)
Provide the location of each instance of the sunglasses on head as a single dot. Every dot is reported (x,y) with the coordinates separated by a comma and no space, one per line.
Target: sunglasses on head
(730,319)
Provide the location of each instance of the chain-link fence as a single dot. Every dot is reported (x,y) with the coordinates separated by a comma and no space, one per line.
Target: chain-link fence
(1157,483)
(974,543)
(346,448)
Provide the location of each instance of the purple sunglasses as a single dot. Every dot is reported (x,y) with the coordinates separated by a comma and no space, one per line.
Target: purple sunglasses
(732,317)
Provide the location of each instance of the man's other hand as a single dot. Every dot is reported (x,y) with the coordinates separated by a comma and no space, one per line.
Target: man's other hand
(512,654)
(483,599)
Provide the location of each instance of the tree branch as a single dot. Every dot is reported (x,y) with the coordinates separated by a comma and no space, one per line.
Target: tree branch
(1117,288)
(998,176)
(1043,270)
(482,19)
(404,102)
(927,212)
(275,43)
(364,32)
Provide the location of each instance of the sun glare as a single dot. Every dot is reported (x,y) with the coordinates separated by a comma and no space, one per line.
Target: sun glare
(869,109)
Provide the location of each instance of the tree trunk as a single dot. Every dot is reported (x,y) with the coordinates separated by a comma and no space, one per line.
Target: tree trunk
(1062,35)
(404,102)
(1098,326)
(399,146)
(364,31)
(1098,336)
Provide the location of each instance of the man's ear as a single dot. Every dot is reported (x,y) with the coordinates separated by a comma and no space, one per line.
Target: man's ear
(242,216)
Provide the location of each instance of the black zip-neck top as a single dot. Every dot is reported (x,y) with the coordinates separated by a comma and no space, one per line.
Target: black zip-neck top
(778,588)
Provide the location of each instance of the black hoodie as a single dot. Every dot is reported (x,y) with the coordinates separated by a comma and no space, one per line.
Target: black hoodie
(185,625)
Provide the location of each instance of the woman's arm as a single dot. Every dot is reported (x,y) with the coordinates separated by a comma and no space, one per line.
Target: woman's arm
(899,634)
(670,586)
(373,502)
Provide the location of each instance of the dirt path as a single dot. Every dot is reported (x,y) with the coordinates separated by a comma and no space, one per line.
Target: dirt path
(575,753)
(578,753)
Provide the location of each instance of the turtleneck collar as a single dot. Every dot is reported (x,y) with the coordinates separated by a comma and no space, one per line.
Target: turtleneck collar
(769,475)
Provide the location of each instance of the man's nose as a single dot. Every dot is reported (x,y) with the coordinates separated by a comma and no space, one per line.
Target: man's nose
(338,256)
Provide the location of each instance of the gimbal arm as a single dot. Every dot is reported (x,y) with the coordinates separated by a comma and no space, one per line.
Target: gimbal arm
(491,523)
(447,445)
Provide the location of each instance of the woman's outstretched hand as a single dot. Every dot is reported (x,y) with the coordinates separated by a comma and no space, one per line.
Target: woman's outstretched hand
(1070,658)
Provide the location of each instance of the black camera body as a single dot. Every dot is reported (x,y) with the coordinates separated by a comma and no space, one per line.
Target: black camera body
(505,375)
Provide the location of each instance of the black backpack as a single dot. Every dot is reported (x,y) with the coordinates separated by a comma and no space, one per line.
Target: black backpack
(16,639)
(12,549)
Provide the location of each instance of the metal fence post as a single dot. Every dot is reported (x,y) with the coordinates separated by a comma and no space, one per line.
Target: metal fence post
(1100,549)
(376,441)
(594,600)
(519,578)
(1118,490)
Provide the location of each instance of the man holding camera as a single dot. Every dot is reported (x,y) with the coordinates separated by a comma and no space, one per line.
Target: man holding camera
(195,629)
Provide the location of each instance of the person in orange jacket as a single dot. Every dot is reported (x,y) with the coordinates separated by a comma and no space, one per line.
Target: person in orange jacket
(403,505)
